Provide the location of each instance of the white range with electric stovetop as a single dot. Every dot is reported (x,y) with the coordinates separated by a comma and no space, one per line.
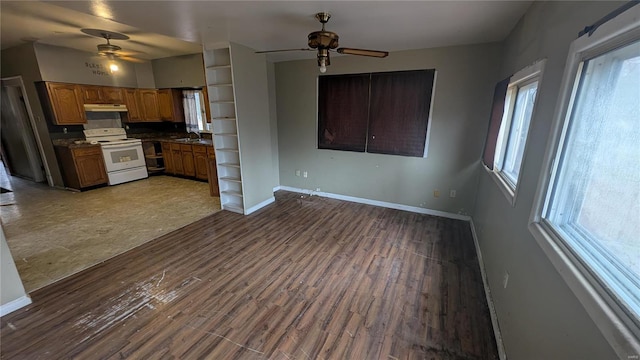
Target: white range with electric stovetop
(123,157)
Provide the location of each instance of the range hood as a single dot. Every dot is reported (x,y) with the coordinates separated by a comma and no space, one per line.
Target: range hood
(105,107)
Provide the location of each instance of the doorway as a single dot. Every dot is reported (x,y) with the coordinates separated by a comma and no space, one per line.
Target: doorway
(21,151)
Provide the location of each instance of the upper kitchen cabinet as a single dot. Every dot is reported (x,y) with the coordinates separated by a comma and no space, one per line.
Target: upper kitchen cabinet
(63,103)
(113,95)
(132,101)
(149,104)
(170,105)
(239,105)
(91,94)
(102,95)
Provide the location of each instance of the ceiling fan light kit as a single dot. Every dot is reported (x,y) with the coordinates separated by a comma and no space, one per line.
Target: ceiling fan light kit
(324,41)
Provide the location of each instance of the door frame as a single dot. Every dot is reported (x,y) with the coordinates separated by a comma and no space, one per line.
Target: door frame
(16,81)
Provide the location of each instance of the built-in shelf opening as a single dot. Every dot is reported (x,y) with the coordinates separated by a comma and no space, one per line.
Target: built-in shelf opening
(224,127)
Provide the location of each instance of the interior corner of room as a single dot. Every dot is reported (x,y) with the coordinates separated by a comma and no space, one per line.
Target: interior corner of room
(223,145)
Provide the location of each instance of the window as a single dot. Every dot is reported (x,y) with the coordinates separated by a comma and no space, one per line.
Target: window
(383,113)
(194,111)
(587,215)
(514,101)
(343,112)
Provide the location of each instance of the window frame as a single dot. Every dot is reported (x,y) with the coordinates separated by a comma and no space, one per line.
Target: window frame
(528,75)
(206,126)
(619,328)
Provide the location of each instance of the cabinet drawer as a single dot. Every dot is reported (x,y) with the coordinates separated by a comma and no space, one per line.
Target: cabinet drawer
(175,146)
(199,149)
(185,147)
(84,151)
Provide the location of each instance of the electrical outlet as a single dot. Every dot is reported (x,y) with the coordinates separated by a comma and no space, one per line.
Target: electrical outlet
(305,174)
(452,193)
(436,193)
(297,172)
(317,189)
(64,130)
(505,279)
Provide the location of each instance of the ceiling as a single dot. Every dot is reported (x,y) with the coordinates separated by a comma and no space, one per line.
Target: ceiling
(168,28)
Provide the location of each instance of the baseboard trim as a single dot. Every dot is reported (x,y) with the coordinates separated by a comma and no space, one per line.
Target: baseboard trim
(385,204)
(492,310)
(14,305)
(260,205)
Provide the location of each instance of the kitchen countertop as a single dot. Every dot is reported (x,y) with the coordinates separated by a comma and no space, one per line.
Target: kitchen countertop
(79,143)
(206,142)
(72,143)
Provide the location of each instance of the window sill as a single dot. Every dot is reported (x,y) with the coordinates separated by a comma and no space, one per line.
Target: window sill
(621,334)
(504,187)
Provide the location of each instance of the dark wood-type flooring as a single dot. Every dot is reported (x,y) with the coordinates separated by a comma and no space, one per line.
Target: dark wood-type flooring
(305,278)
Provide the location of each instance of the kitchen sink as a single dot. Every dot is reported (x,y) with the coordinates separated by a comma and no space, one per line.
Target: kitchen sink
(187,140)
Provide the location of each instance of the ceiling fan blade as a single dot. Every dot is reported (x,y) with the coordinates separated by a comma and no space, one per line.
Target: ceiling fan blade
(273,51)
(363,52)
(129,53)
(131,59)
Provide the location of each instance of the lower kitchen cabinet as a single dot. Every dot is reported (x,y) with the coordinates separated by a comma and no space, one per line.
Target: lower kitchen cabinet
(168,159)
(200,161)
(191,160)
(212,172)
(187,160)
(82,166)
(176,157)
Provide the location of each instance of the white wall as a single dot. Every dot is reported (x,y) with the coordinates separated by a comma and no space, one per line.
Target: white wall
(254,126)
(179,71)
(144,75)
(539,316)
(463,91)
(80,67)
(11,288)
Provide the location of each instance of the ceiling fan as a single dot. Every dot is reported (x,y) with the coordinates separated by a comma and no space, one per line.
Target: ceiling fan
(324,41)
(109,50)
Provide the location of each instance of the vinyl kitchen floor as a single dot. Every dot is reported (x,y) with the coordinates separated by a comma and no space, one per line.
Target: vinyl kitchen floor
(55,233)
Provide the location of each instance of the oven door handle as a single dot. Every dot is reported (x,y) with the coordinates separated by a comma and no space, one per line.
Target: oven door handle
(117,147)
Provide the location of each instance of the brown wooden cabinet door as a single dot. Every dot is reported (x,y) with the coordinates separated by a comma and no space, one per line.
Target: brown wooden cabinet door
(211,152)
(168,158)
(165,104)
(92,94)
(66,104)
(212,172)
(133,106)
(149,104)
(187,161)
(200,161)
(90,166)
(112,95)
(176,157)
